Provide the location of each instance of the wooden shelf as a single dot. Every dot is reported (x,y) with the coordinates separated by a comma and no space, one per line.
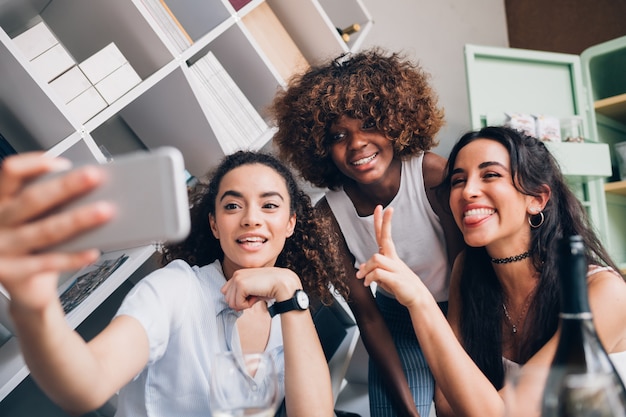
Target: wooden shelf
(613,107)
(275,41)
(618,187)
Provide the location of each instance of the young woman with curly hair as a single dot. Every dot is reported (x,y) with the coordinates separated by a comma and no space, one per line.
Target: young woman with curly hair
(255,239)
(362,125)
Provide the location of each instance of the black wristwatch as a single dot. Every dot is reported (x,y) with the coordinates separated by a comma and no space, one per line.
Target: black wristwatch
(299,301)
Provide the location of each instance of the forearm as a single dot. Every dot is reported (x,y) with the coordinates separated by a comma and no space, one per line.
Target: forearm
(58,358)
(466,389)
(308,391)
(380,347)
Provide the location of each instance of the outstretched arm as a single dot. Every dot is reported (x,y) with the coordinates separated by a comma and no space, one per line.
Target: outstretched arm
(465,387)
(308,391)
(59,360)
(374,332)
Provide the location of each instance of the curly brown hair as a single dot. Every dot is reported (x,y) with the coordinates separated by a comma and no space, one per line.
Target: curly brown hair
(311,251)
(386,89)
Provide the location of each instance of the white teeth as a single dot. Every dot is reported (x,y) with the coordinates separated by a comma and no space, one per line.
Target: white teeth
(479,212)
(252,240)
(364,160)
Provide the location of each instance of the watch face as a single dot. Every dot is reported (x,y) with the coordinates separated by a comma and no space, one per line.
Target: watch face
(302,300)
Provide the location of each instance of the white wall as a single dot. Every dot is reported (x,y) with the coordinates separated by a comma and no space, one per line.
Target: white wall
(433,33)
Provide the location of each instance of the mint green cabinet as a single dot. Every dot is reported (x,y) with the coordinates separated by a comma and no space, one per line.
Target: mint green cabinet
(604,67)
(505,80)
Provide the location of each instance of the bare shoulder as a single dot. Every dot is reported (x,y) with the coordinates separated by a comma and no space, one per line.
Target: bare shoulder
(606,284)
(607,299)
(433,168)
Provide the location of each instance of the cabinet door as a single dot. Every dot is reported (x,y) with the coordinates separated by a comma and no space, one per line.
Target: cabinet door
(603,66)
(505,80)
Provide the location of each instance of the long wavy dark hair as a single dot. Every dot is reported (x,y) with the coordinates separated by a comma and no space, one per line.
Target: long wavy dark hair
(373,85)
(311,251)
(532,168)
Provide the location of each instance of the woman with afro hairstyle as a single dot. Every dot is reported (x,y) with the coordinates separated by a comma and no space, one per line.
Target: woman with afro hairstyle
(255,238)
(362,125)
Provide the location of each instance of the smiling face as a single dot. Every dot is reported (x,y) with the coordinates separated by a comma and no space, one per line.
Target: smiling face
(252,217)
(487,207)
(359,150)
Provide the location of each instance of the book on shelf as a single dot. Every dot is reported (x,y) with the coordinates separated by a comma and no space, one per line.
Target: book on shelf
(275,41)
(238,4)
(87,281)
(168,22)
(234,120)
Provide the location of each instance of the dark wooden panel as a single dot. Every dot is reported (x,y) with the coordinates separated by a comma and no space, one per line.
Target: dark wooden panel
(564,25)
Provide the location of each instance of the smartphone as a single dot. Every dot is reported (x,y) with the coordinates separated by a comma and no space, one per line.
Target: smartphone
(149,192)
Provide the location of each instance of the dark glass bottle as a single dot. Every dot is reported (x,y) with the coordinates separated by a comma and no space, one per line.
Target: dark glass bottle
(582,380)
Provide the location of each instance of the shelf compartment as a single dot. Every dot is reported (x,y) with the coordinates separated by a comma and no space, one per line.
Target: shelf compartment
(274,41)
(260,85)
(604,64)
(617,187)
(613,107)
(16,14)
(199,17)
(169,114)
(96,24)
(29,118)
(345,13)
(310,28)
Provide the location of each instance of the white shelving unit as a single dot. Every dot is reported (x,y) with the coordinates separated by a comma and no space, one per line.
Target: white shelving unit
(164,108)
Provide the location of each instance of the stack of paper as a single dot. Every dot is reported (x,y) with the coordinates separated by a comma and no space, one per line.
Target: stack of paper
(169,23)
(234,120)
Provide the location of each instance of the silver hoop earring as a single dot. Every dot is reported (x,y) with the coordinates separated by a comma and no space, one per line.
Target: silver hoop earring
(534,226)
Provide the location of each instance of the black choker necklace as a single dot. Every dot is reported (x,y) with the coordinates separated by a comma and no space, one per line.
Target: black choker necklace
(511,258)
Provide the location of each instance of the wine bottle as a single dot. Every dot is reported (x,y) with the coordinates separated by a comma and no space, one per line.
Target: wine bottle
(582,380)
(346,32)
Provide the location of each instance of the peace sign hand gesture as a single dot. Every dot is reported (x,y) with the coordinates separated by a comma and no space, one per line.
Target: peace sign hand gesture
(386,268)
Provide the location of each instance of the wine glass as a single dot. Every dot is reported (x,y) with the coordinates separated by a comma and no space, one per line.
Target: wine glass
(587,395)
(243,385)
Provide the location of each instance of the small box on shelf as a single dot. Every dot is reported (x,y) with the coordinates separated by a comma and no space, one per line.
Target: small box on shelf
(102,63)
(70,84)
(87,104)
(53,62)
(118,83)
(36,40)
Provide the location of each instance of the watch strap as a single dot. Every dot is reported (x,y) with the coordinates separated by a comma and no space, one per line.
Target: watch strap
(290,304)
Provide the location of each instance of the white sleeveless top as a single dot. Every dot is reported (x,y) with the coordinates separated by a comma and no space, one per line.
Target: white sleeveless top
(416,230)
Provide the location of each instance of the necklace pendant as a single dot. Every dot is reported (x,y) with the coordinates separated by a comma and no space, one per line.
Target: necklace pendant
(514,329)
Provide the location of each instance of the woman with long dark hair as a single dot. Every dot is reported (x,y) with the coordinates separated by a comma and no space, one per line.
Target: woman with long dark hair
(513,206)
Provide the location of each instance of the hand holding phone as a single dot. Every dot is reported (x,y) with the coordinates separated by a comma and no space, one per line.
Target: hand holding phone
(149,195)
